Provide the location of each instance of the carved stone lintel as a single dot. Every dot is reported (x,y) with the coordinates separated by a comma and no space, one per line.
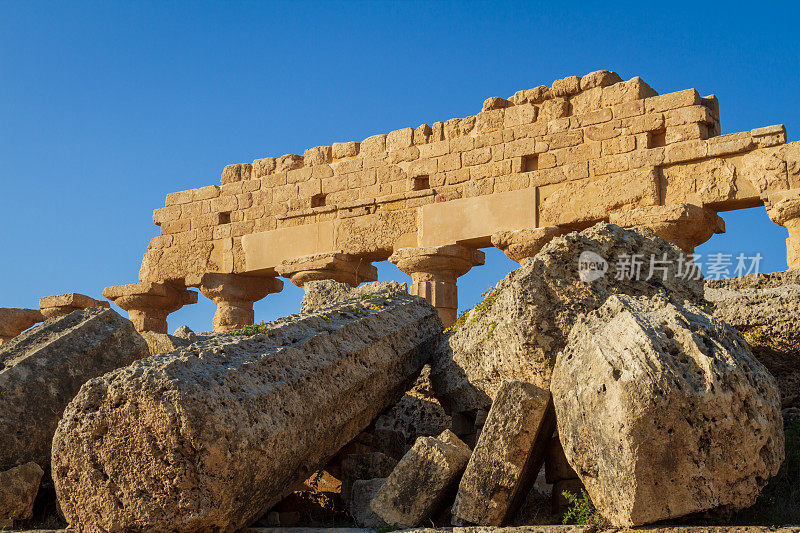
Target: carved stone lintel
(434,272)
(234,295)
(336,266)
(686,225)
(64,304)
(783,209)
(14,321)
(521,245)
(148,303)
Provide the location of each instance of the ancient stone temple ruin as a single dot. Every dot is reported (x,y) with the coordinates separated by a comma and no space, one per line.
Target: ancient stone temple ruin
(524,169)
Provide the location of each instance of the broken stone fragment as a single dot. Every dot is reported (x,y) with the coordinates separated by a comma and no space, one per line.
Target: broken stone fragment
(212,436)
(421,481)
(663,411)
(522,323)
(507,456)
(324,293)
(163,343)
(64,304)
(18,489)
(42,370)
(14,321)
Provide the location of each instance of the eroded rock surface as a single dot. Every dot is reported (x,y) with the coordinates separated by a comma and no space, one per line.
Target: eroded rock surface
(213,435)
(18,488)
(324,293)
(766,309)
(663,411)
(508,455)
(517,330)
(421,481)
(42,369)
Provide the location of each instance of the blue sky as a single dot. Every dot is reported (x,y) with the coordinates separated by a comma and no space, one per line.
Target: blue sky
(105,107)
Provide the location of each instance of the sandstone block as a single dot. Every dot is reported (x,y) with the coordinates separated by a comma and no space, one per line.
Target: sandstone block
(520,326)
(599,78)
(417,486)
(507,456)
(163,343)
(626,91)
(289,162)
(663,411)
(262,167)
(213,435)
(14,321)
(18,489)
(494,102)
(566,86)
(64,304)
(43,369)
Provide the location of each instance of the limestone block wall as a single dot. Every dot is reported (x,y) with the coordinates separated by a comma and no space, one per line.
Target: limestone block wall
(566,155)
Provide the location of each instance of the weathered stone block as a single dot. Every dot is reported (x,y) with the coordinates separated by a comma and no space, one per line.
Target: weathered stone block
(212,436)
(517,330)
(419,483)
(663,411)
(42,369)
(508,455)
(18,489)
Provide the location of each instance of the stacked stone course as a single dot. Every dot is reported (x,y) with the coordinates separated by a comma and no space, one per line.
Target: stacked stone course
(553,159)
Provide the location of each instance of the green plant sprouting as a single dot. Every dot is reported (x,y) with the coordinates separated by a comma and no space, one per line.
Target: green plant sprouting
(581,511)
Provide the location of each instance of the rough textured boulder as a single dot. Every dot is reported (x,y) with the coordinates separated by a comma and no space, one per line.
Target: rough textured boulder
(324,293)
(18,488)
(421,481)
(508,455)
(42,369)
(517,330)
(766,309)
(663,411)
(211,436)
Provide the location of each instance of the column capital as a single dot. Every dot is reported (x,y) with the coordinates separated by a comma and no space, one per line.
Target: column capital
(783,208)
(64,304)
(434,271)
(521,245)
(686,225)
(453,259)
(148,303)
(14,321)
(337,266)
(234,295)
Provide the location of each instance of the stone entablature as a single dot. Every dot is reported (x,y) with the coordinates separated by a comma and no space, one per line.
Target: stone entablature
(584,150)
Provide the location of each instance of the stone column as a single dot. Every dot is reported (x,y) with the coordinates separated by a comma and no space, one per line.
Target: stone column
(783,209)
(149,303)
(14,321)
(434,272)
(64,304)
(521,245)
(234,295)
(686,225)
(344,268)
